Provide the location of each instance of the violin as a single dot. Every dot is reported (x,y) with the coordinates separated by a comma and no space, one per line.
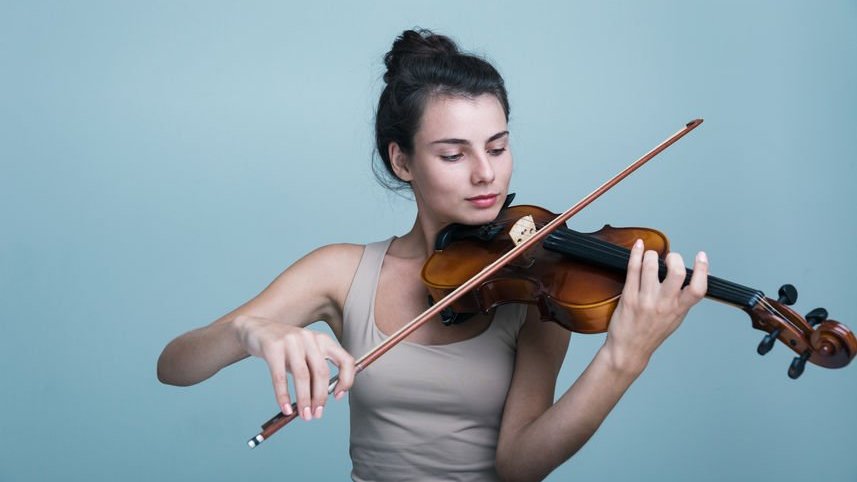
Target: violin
(576,279)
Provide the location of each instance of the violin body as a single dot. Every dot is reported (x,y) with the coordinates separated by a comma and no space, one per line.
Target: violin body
(577,294)
(576,279)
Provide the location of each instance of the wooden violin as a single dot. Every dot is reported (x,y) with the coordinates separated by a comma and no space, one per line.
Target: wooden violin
(576,279)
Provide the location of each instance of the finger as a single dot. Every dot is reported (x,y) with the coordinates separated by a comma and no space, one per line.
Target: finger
(698,286)
(345,362)
(319,373)
(650,284)
(297,364)
(632,277)
(276,361)
(676,274)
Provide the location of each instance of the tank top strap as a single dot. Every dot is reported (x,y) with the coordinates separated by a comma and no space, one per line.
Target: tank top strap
(357,324)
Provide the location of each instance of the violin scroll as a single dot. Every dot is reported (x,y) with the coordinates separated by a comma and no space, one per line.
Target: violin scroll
(814,338)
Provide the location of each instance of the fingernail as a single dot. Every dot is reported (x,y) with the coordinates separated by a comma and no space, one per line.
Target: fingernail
(318,411)
(287,408)
(307,414)
(702,257)
(638,244)
(337,395)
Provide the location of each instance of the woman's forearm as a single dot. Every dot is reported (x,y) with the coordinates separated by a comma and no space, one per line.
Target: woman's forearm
(565,427)
(199,354)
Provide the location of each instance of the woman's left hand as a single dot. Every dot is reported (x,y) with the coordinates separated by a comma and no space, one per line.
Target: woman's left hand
(650,310)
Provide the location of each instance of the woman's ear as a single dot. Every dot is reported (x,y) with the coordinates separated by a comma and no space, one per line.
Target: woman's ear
(399,162)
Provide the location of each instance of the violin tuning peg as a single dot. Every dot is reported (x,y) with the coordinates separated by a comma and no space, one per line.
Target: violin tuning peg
(768,342)
(816,316)
(797,366)
(788,294)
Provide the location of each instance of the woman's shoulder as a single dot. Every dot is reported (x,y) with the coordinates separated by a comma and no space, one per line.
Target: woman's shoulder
(342,255)
(333,263)
(337,253)
(333,266)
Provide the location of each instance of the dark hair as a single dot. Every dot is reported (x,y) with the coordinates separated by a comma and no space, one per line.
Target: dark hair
(421,65)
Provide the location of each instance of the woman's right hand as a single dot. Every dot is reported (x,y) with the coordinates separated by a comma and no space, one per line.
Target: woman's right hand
(302,352)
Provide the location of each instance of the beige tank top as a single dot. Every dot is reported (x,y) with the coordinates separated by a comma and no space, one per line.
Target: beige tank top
(425,412)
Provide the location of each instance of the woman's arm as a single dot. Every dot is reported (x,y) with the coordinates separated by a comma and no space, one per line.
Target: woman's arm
(271,326)
(537,435)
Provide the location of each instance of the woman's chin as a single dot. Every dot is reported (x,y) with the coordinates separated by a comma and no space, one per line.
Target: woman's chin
(482,216)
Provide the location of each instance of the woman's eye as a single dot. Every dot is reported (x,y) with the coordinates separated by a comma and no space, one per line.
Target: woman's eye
(497,152)
(451,157)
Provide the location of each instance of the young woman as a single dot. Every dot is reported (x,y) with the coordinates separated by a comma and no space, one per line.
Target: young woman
(473,401)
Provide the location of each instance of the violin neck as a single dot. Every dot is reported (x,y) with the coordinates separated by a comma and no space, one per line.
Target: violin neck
(589,249)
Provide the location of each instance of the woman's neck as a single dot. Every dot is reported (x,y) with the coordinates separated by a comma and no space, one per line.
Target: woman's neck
(418,243)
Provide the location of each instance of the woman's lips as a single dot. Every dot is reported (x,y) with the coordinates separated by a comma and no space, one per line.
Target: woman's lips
(483,202)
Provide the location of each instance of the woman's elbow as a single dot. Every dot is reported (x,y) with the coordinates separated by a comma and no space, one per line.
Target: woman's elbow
(167,372)
(511,466)
(509,469)
(163,373)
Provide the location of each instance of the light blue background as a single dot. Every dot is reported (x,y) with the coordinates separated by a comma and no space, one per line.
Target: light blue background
(162,162)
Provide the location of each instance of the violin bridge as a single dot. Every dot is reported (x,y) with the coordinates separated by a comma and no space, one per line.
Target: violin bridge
(522,230)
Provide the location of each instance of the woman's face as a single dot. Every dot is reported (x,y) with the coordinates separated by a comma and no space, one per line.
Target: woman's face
(461,165)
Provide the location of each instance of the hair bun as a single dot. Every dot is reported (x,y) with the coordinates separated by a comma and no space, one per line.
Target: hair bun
(414,44)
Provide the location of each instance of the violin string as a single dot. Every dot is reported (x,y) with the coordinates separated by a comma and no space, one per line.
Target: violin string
(620,257)
(750,296)
(617,256)
(612,254)
(717,286)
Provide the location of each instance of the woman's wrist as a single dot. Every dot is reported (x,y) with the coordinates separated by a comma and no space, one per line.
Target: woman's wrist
(623,360)
(235,327)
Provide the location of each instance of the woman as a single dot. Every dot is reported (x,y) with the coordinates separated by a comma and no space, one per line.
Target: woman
(473,401)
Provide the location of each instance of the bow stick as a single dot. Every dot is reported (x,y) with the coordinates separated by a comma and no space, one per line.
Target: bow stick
(279,420)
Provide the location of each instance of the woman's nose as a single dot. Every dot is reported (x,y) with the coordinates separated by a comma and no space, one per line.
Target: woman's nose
(483,170)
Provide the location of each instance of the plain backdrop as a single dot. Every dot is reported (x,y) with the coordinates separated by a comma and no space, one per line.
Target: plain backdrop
(161,162)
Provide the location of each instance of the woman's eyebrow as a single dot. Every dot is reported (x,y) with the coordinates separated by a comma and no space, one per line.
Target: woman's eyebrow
(466,142)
